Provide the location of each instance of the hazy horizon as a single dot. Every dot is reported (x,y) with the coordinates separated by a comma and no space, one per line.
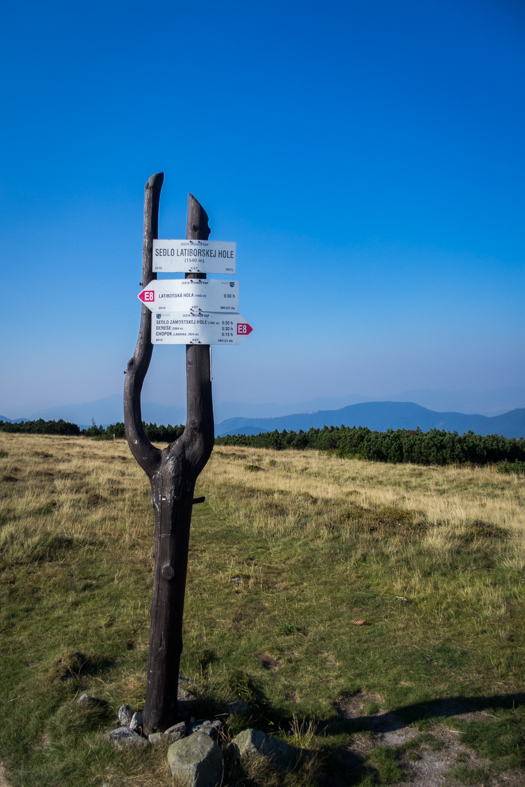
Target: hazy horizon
(488,403)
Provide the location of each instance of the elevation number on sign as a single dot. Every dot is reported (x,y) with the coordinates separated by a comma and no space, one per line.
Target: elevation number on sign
(194,256)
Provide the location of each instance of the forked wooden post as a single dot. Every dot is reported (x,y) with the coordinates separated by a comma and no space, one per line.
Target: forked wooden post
(172,473)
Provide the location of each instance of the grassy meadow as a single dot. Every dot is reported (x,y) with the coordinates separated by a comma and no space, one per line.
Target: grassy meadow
(290,551)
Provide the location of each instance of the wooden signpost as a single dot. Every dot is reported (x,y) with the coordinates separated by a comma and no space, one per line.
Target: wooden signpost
(173,470)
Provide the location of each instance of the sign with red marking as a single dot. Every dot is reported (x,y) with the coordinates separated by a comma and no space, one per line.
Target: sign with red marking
(203,328)
(210,295)
(194,256)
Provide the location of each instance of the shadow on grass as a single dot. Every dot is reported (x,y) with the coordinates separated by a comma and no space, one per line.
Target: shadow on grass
(430,711)
(500,738)
(273,718)
(75,666)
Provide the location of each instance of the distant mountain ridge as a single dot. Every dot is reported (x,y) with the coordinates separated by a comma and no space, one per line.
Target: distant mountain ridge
(109,410)
(460,414)
(381,416)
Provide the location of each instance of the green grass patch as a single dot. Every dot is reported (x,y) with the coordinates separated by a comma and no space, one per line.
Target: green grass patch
(466,775)
(281,563)
(501,738)
(512,467)
(385,762)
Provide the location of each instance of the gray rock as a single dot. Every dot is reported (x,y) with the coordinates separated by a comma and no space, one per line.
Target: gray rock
(211,728)
(124,738)
(136,722)
(239,708)
(125,714)
(87,699)
(250,743)
(196,761)
(155,737)
(176,732)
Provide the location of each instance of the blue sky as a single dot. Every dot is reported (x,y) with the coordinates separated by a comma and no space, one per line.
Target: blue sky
(367,158)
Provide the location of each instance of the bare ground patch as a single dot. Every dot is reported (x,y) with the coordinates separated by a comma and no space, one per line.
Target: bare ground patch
(434,758)
(268,661)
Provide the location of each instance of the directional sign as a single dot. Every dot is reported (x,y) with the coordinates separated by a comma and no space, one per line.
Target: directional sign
(211,295)
(205,328)
(194,256)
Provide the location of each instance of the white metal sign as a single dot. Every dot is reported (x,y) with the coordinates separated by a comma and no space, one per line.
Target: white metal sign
(205,328)
(211,295)
(193,256)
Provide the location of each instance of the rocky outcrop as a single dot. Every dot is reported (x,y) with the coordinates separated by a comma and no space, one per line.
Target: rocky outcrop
(124,738)
(253,743)
(125,714)
(195,755)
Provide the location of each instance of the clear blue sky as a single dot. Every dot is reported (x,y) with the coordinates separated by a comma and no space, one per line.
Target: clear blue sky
(367,157)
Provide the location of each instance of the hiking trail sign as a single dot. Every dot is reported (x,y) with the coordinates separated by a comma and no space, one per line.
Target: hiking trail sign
(195,328)
(194,256)
(196,312)
(181,294)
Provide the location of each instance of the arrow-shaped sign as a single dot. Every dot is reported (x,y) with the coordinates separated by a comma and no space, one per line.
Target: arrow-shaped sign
(173,295)
(205,328)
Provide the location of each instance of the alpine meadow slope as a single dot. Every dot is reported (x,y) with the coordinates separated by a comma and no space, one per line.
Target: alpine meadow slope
(339,598)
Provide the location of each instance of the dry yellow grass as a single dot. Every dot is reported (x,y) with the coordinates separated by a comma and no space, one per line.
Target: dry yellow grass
(288,549)
(450,495)
(80,467)
(449,499)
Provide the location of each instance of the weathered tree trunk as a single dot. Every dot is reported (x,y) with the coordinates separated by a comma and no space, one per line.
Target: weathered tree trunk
(172,473)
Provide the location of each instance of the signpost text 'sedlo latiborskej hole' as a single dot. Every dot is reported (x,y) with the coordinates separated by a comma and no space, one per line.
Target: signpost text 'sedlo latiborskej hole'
(198,313)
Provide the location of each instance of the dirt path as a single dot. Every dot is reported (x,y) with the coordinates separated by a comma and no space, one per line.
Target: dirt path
(431,757)
(3,782)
